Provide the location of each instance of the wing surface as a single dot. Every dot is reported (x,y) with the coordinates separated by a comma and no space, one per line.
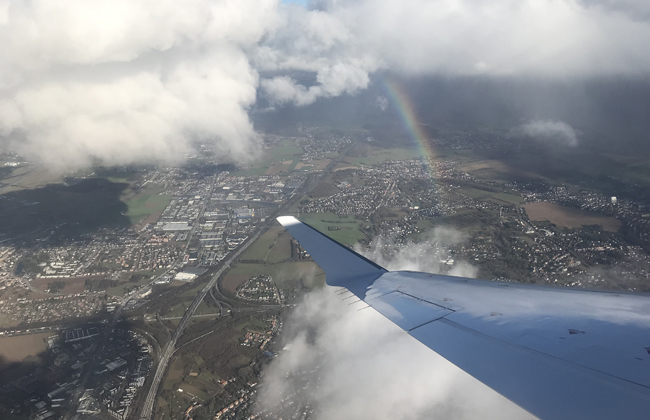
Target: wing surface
(558,353)
(344,267)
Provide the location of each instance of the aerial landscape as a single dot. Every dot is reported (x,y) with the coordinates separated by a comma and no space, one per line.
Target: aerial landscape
(143,273)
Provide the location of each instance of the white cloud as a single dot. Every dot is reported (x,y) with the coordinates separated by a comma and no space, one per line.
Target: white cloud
(433,254)
(126,81)
(332,81)
(381,102)
(556,132)
(132,81)
(547,38)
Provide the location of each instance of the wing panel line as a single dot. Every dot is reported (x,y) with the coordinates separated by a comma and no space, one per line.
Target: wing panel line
(484,336)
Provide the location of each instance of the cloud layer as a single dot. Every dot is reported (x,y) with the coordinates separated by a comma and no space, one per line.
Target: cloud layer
(126,81)
(433,254)
(142,81)
(555,132)
(500,38)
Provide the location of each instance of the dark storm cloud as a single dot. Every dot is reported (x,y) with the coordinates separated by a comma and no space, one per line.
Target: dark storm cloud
(634,9)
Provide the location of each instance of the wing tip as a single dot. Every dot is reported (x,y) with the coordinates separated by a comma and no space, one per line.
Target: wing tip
(287,221)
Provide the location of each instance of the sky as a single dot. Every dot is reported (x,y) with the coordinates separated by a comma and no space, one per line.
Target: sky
(299,2)
(121,82)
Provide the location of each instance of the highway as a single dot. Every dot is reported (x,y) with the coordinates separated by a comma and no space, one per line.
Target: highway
(170,347)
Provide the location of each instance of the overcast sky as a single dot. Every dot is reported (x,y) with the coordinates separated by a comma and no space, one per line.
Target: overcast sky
(128,81)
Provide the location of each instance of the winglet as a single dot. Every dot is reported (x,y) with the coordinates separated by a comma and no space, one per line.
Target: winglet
(343,267)
(287,221)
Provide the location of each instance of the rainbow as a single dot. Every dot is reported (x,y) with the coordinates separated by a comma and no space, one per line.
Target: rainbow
(400,100)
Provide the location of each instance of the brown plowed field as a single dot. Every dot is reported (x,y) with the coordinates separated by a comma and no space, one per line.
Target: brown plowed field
(15,349)
(232,281)
(568,217)
(72,285)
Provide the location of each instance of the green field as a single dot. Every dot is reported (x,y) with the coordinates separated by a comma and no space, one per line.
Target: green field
(197,369)
(281,250)
(145,278)
(261,247)
(117,175)
(193,291)
(180,308)
(272,257)
(497,197)
(376,156)
(286,275)
(205,309)
(286,148)
(144,205)
(272,247)
(284,151)
(349,225)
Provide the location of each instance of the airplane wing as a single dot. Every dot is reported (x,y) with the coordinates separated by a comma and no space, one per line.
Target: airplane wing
(557,353)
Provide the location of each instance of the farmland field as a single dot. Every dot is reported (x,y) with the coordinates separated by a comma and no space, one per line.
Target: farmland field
(234,279)
(144,278)
(262,245)
(144,205)
(493,169)
(268,255)
(568,217)
(286,274)
(281,251)
(274,160)
(28,177)
(497,197)
(349,233)
(72,285)
(15,349)
(324,189)
(377,155)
